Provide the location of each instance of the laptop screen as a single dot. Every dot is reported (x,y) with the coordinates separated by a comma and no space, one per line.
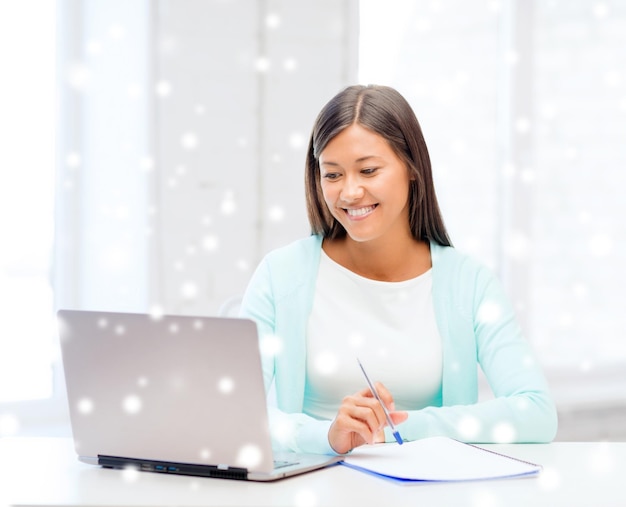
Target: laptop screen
(174,388)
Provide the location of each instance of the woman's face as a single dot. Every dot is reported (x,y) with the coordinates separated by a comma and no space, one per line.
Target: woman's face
(365,185)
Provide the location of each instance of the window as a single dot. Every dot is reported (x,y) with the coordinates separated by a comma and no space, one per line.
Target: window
(73,215)
(27,131)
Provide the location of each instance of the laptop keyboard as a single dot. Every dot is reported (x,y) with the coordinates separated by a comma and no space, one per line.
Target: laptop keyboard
(283,463)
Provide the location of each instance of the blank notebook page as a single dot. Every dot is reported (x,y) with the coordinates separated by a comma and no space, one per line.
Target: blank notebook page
(437,459)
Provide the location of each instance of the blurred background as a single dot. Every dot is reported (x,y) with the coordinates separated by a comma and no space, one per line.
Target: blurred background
(151,152)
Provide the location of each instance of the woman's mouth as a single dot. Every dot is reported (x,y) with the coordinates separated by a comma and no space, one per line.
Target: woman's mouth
(359,212)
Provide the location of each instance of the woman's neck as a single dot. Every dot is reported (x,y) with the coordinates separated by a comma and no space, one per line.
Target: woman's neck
(379,260)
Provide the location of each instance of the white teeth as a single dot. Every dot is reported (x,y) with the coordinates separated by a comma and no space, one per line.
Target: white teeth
(359,212)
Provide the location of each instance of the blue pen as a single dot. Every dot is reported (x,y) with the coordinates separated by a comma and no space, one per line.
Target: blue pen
(394,431)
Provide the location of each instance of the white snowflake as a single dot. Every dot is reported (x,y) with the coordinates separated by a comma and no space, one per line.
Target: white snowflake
(262,64)
(163,88)
(226,385)
(228,206)
(271,345)
(210,243)
(132,404)
(272,20)
(276,213)
(189,290)
(249,456)
(549,479)
(469,427)
(85,406)
(189,140)
(326,363)
(504,433)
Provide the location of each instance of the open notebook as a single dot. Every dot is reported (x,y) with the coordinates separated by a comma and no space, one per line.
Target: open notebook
(437,459)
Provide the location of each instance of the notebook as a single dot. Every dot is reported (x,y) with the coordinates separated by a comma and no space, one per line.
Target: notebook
(437,459)
(172,395)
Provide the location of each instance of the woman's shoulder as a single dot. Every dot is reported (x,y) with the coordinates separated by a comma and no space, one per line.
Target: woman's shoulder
(298,251)
(294,262)
(454,265)
(463,282)
(292,266)
(448,256)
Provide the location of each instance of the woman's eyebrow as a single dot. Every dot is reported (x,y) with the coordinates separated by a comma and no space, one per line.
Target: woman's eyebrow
(360,159)
(367,157)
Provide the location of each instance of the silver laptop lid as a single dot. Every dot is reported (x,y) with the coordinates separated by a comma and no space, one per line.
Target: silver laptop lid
(174,388)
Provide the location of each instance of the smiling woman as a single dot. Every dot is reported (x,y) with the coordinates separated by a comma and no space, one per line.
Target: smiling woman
(378,276)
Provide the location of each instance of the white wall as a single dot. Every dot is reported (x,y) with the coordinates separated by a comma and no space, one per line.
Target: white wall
(190,119)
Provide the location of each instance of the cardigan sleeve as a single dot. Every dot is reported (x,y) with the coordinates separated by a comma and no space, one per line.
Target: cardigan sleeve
(290,431)
(477,312)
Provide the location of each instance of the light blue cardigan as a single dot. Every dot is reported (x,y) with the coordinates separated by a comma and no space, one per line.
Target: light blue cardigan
(477,327)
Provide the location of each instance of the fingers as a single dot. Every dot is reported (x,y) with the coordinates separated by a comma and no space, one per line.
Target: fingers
(361,419)
(387,399)
(365,412)
(385,396)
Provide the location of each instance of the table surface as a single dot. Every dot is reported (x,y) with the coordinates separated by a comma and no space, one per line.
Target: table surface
(45,471)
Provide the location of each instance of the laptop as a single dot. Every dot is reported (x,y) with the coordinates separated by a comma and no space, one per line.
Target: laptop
(171,394)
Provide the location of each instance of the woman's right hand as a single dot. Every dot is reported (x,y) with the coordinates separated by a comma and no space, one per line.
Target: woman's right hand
(361,420)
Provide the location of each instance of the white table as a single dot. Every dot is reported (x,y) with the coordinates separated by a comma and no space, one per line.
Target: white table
(45,471)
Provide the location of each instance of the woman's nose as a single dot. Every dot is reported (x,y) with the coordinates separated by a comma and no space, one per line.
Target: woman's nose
(352,190)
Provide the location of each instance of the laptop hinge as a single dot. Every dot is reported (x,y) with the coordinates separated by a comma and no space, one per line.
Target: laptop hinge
(169,467)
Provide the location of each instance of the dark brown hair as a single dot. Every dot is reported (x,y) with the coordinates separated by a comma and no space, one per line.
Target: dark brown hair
(386,112)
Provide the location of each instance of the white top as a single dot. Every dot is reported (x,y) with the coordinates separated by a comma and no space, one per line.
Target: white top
(389,326)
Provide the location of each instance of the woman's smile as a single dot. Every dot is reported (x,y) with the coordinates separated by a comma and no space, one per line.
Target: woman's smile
(360,213)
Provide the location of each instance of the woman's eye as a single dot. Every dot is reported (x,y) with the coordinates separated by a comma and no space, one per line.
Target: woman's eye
(331,176)
(369,170)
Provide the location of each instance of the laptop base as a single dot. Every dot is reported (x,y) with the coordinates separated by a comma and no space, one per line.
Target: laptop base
(167,467)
